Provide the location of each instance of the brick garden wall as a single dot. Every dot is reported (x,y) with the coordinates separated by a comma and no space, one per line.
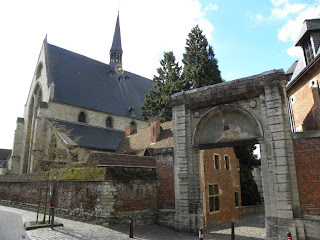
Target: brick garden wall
(307,157)
(165,176)
(102,202)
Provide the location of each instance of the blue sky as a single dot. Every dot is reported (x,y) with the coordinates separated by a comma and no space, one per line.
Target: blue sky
(248,37)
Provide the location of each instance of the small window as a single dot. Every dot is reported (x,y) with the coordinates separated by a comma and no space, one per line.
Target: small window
(214,198)
(236,199)
(216,159)
(82,117)
(39,70)
(109,122)
(227,161)
(308,52)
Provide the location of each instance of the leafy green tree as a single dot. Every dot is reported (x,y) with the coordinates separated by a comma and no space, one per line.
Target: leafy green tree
(248,161)
(168,82)
(200,65)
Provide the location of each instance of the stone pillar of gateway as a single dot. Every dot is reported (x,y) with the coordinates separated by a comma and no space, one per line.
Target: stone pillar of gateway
(244,111)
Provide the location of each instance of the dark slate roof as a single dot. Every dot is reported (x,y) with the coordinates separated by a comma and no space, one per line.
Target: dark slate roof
(84,82)
(3,163)
(90,136)
(5,154)
(292,68)
(116,43)
(308,26)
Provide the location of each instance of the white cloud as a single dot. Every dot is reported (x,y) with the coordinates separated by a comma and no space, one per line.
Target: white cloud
(290,31)
(211,7)
(287,9)
(294,51)
(278,2)
(231,76)
(258,18)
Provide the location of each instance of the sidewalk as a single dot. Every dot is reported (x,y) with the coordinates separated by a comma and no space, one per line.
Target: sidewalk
(78,230)
(11,226)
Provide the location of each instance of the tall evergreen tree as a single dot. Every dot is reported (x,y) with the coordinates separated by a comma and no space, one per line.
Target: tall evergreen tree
(248,161)
(200,69)
(200,65)
(168,82)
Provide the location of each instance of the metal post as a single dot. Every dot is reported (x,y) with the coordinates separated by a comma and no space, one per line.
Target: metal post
(130,228)
(200,234)
(52,218)
(289,236)
(232,231)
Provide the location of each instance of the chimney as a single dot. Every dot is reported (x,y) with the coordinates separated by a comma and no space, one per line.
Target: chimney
(154,130)
(129,130)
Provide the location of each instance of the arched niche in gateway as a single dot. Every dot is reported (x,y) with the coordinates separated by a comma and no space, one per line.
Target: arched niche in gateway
(227,125)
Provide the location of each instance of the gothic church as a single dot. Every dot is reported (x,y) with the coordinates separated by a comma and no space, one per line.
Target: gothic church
(76,102)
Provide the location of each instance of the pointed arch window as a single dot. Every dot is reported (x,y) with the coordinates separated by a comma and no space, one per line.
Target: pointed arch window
(109,122)
(82,117)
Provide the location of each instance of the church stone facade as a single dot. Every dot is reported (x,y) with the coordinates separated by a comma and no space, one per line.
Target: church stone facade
(75,101)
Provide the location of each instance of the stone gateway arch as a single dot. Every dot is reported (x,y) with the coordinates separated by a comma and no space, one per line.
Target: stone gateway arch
(245,111)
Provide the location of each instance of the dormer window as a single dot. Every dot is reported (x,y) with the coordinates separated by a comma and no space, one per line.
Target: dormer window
(132,110)
(308,52)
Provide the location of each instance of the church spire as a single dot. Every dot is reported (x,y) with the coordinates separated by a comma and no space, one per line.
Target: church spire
(116,49)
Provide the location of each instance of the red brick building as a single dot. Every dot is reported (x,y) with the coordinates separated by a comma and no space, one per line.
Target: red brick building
(304,105)
(304,76)
(221,185)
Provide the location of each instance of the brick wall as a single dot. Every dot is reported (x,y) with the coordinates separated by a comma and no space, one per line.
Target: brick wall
(307,157)
(228,182)
(304,99)
(102,202)
(165,176)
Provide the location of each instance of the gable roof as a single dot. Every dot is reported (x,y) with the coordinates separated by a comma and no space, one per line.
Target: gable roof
(84,82)
(292,68)
(139,142)
(5,154)
(89,136)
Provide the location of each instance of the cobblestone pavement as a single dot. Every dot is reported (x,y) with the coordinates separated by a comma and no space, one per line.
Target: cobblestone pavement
(248,228)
